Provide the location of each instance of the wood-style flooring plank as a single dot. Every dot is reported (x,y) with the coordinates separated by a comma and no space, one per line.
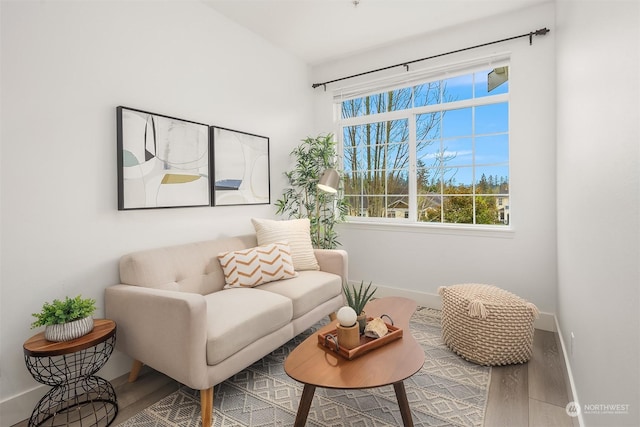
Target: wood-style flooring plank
(144,402)
(543,414)
(546,376)
(508,400)
(24,423)
(147,383)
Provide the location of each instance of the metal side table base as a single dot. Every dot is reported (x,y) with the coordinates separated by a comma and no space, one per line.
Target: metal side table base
(78,397)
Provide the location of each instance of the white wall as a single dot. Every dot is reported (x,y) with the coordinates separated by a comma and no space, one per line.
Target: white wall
(422,259)
(66,65)
(598,202)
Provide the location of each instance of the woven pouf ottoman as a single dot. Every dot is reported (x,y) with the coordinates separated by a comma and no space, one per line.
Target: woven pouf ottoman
(487,325)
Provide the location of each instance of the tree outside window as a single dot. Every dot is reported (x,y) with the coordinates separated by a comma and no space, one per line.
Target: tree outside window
(436,152)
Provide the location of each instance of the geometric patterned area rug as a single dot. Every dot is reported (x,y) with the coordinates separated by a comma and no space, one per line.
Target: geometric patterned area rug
(447,391)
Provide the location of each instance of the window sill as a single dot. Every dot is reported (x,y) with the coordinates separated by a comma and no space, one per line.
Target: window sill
(502,232)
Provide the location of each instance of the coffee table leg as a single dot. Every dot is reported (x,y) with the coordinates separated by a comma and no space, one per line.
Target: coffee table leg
(305,405)
(403,403)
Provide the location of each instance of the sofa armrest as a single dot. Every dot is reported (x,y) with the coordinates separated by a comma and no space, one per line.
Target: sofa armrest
(166,330)
(333,261)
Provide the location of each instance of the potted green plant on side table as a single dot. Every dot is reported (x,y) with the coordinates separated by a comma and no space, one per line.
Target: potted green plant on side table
(66,320)
(357,298)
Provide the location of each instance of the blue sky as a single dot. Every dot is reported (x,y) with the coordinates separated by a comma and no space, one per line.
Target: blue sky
(462,135)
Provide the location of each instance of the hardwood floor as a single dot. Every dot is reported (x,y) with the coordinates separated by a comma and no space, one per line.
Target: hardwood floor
(528,395)
(533,394)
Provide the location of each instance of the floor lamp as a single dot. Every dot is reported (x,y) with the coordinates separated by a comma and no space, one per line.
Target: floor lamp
(329,183)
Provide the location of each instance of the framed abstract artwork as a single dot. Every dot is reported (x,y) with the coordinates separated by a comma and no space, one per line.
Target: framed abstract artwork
(241,168)
(163,161)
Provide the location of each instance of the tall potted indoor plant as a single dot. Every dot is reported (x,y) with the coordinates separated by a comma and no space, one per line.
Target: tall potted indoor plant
(66,320)
(303,198)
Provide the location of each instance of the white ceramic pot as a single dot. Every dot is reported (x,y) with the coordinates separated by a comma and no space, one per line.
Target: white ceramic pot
(69,331)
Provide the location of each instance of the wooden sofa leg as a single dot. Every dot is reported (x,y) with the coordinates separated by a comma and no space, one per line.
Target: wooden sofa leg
(135,370)
(206,406)
(333,316)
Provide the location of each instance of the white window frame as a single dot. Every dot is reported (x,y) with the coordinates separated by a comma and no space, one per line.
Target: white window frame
(423,76)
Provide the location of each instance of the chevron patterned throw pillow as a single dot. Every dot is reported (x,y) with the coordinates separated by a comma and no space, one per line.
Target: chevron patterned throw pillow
(252,267)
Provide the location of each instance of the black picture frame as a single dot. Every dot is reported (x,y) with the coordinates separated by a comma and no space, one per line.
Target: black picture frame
(241,168)
(163,161)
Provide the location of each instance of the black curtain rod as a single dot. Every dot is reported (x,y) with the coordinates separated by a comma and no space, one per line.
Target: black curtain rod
(540,32)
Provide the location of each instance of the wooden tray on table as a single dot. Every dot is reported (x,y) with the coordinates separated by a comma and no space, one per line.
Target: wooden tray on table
(330,338)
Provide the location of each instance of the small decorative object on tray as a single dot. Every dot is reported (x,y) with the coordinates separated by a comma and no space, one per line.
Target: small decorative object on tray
(376,328)
(330,340)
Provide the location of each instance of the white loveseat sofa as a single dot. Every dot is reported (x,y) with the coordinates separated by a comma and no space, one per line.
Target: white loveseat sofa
(174,315)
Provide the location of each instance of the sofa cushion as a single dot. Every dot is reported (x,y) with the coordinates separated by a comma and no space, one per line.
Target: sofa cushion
(237,317)
(297,232)
(190,267)
(308,290)
(255,266)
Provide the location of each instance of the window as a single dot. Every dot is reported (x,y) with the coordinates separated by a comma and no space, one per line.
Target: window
(436,151)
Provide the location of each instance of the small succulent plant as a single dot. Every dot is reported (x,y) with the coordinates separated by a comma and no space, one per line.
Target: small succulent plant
(358,296)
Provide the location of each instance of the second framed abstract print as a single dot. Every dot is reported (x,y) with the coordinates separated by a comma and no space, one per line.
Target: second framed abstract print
(241,168)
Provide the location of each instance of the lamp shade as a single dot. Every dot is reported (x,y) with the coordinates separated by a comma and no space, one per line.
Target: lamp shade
(347,316)
(329,181)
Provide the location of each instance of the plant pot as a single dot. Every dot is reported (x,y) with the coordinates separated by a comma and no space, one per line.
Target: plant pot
(69,331)
(362,321)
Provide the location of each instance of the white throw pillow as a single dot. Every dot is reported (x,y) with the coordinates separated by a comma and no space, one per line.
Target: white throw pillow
(297,232)
(254,266)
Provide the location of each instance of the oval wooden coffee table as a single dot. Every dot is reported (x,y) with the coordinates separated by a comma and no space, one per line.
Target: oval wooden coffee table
(316,366)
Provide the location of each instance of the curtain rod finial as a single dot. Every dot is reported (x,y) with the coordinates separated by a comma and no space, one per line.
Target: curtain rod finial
(540,32)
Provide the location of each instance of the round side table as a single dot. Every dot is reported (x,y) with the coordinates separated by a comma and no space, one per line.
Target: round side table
(78,397)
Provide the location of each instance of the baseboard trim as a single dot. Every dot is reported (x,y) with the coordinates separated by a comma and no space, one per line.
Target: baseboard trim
(18,408)
(545,322)
(572,385)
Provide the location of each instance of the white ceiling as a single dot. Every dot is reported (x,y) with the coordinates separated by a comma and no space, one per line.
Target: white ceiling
(321,30)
